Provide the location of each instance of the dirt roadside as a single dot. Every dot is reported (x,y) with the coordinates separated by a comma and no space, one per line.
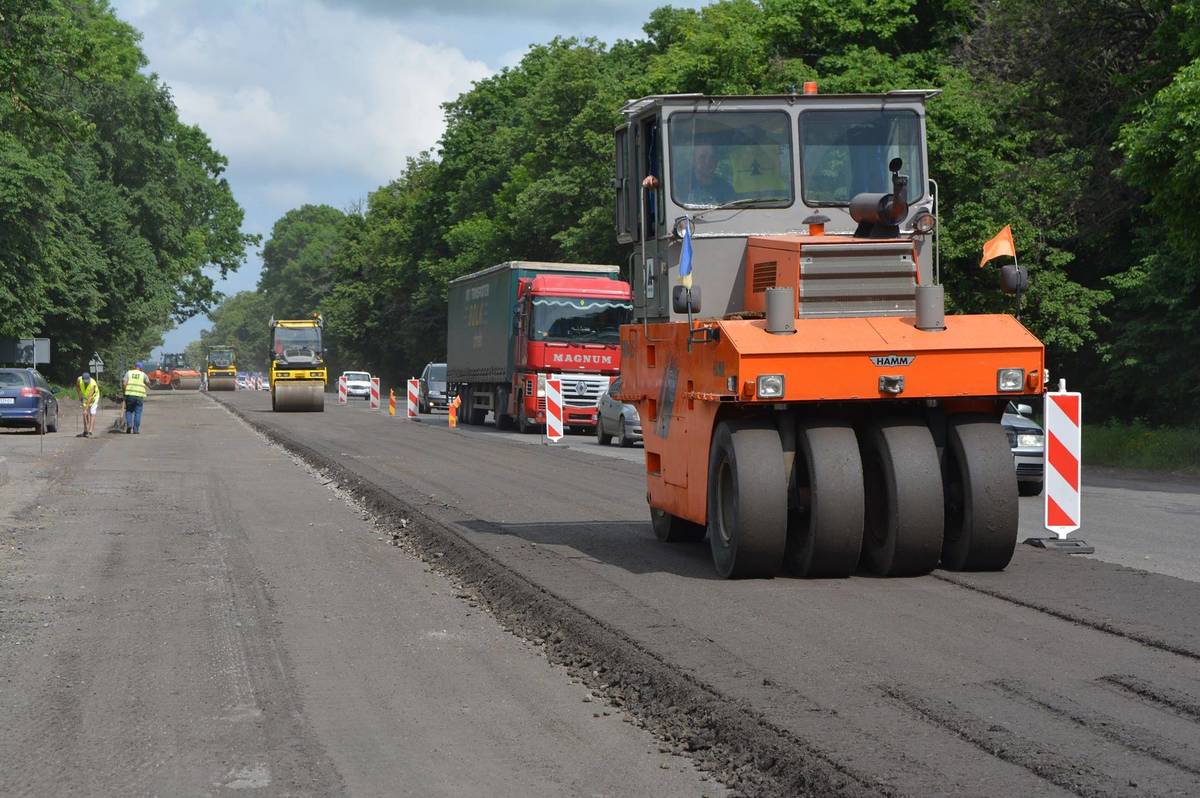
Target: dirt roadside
(190,612)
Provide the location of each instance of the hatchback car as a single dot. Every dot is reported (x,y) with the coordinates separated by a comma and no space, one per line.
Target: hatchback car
(27,401)
(434,390)
(358,383)
(1028,444)
(615,418)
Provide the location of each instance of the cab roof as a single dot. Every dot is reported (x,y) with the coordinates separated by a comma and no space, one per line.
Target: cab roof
(634,107)
(591,287)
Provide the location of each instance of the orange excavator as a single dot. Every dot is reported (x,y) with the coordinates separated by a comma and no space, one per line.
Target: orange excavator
(174,373)
(824,414)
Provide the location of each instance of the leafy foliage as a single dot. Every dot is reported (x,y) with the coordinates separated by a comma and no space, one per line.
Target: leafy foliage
(114,216)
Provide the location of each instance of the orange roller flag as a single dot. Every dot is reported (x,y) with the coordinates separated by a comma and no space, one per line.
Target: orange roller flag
(1001,244)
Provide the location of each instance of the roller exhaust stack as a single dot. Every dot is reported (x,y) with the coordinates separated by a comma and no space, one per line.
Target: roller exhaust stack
(931,308)
(781,311)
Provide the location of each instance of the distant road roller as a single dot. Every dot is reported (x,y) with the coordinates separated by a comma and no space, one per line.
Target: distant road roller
(298,372)
(174,373)
(824,414)
(222,368)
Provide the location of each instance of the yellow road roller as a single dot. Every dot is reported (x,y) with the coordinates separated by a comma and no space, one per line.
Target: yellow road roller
(298,373)
(222,368)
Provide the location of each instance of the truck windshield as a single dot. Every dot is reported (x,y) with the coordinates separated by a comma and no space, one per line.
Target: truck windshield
(579,320)
(844,153)
(298,340)
(731,156)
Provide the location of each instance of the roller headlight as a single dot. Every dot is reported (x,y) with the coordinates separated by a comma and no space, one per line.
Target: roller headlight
(1010,380)
(924,222)
(770,386)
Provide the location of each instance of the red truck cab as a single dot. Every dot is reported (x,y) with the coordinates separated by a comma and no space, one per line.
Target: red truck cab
(568,325)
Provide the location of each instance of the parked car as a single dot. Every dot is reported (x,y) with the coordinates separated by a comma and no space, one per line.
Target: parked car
(1028,443)
(27,401)
(358,383)
(616,418)
(433,391)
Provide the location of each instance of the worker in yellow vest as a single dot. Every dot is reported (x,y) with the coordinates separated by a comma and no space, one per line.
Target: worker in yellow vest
(89,403)
(134,383)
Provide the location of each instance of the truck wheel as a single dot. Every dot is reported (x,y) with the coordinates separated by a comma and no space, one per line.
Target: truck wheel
(905,513)
(825,534)
(524,425)
(981,496)
(747,500)
(604,439)
(673,529)
(623,436)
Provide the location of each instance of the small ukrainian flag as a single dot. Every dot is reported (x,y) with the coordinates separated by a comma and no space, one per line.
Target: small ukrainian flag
(685,257)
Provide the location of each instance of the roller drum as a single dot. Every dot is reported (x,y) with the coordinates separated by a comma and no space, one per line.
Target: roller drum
(187,384)
(299,396)
(222,383)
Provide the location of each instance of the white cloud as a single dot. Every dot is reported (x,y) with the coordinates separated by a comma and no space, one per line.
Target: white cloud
(288,90)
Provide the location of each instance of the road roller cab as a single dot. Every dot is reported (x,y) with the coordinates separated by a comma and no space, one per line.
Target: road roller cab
(222,368)
(298,371)
(805,402)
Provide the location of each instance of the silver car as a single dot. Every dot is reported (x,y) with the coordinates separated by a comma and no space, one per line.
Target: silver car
(615,418)
(1028,443)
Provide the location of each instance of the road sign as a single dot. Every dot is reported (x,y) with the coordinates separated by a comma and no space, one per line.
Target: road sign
(554,409)
(1064,460)
(96,364)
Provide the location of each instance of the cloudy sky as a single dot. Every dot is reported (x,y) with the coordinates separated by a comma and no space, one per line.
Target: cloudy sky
(323,100)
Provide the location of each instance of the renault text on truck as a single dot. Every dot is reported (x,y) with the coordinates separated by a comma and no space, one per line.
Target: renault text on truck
(806,403)
(511,325)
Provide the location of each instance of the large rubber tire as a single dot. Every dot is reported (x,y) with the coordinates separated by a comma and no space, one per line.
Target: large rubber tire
(524,425)
(747,500)
(825,533)
(673,529)
(981,496)
(905,510)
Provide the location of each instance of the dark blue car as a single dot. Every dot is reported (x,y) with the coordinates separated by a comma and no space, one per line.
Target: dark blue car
(27,401)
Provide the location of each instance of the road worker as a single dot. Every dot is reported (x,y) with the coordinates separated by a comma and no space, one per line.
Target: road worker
(134,383)
(89,403)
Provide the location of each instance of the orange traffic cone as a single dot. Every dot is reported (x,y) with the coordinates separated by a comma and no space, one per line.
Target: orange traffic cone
(391,401)
(455,403)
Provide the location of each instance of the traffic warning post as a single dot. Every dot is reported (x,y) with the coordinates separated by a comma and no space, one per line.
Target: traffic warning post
(342,390)
(414,397)
(374,393)
(554,409)
(1064,460)
(391,401)
(452,416)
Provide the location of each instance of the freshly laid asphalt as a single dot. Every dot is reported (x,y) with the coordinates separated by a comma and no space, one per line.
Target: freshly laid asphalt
(191,611)
(1061,675)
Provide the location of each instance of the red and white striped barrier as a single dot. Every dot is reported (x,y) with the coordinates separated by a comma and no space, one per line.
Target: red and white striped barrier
(414,397)
(374,393)
(1064,460)
(554,410)
(342,390)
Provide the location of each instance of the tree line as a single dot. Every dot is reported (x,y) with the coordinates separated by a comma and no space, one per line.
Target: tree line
(1075,123)
(115,217)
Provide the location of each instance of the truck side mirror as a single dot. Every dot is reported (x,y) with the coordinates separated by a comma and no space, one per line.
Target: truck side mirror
(685,300)
(1024,410)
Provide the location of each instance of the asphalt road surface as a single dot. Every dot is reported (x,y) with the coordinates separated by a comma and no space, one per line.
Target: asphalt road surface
(1060,676)
(191,611)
